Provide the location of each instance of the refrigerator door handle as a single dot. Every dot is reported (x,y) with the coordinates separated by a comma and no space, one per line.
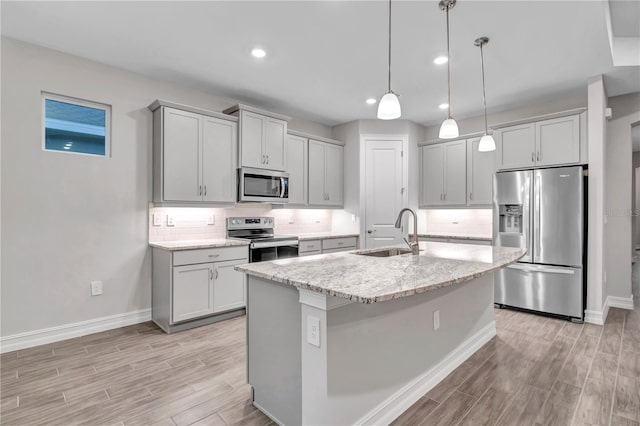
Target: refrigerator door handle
(549,269)
(536,211)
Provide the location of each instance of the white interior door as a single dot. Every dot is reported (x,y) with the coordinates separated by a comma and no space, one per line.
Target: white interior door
(384,191)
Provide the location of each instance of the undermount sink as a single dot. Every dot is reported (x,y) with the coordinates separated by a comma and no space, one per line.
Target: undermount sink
(388,252)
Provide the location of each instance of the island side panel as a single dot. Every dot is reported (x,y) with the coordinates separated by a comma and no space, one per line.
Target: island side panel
(380,358)
(273,349)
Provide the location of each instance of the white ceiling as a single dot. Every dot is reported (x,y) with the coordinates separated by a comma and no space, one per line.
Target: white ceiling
(326,57)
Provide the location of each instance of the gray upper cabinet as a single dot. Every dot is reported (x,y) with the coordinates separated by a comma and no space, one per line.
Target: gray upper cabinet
(326,174)
(262,137)
(444,174)
(193,155)
(296,163)
(553,142)
(480,169)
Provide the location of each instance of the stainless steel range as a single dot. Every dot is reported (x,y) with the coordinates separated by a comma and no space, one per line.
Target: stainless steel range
(265,245)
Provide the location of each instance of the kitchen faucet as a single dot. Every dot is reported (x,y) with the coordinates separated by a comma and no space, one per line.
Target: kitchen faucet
(413,245)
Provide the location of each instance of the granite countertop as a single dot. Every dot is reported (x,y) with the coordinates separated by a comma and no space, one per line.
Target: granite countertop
(325,236)
(458,237)
(368,279)
(198,244)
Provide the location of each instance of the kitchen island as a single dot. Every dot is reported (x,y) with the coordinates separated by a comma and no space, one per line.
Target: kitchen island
(358,337)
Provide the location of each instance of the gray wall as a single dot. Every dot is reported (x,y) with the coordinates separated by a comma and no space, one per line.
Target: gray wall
(618,193)
(70,219)
(635,181)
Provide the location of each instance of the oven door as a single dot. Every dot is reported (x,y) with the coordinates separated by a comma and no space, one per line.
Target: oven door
(287,251)
(256,185)
(262,254)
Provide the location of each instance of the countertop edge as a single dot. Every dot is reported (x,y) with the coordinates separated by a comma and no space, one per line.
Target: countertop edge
(456,237)
(195,246)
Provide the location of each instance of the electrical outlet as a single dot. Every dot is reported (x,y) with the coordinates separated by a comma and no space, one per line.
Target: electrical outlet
(157,219)
(96,288)
(313,331)
(290,220)
(171,221)
(211,220)
(436,320)
(353,218)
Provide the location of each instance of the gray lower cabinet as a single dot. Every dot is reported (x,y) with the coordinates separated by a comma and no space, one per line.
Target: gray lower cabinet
(196,287)
(327,245)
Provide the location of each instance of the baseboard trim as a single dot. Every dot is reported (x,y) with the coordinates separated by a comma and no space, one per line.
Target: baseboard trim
(391,408)
(29,339)
(595,317)
(620,302)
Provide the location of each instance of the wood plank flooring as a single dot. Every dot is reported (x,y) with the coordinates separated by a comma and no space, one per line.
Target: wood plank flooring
(537,371)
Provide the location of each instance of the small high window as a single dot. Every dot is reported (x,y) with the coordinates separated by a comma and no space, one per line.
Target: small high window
(74,125)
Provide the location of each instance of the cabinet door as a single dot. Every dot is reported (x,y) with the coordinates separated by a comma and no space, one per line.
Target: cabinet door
(192,292)
(274,139)
(317,192)
(229,286)
(296,166)
(251,138)
(455,176)
(219,145)
(516,146)
(334,172)
(558,141)
(181,168)
(479,174)
(433,175)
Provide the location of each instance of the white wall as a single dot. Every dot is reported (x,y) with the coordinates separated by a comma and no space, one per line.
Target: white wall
(636,203)
(70,219)
(596,130)
(476,124)
(618,207)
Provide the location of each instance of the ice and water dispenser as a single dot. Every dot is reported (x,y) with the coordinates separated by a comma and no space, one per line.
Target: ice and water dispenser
(510,218)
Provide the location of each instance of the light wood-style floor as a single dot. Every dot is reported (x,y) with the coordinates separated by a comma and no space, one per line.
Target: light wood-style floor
(536,371)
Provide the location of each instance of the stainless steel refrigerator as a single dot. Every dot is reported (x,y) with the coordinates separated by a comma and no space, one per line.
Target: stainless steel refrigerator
(543,211)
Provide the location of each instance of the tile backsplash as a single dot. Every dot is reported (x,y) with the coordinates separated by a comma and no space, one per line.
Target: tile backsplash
(462,222)
(191,223)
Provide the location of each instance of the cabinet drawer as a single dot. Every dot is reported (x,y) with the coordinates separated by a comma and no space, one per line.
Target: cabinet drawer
(313,245)
(309,253)
(190,257)
(339,243)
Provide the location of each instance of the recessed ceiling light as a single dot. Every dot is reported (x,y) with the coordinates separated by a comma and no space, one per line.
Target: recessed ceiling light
(258,53)
(440,60)
(371,101)
(443,106)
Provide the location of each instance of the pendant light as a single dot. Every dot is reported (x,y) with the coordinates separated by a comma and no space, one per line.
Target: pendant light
(389,106)
(486,142)
(449,128)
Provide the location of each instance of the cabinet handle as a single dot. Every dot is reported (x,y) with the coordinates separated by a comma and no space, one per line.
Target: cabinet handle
(471,195)
(205,190)
(267,159)
(210,274)
(538,156)
(200,190)
(214,255)
(216,273)
(533,158)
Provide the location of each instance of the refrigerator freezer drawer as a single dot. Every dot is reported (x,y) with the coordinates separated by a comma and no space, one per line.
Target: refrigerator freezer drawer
(551,289)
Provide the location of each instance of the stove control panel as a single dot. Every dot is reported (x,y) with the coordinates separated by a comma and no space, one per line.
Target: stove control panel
(249,222)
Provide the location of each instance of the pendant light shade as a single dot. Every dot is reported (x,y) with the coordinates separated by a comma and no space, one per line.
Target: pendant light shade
(486,142)
(449,128)
(389,106)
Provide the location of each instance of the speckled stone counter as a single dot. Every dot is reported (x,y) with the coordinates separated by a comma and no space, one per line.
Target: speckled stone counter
(197,244)
(324,236)
(368,279)
(457,237)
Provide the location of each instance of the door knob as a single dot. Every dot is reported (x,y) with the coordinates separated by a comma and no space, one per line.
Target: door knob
(369,231)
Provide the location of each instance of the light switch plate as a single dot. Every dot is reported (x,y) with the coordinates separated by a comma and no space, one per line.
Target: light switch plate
(313,331)
(436,320)
(157,219)
(171,221)
(96,288)
(211,220)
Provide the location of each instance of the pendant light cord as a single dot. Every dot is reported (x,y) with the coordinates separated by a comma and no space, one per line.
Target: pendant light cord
(389,46)
(448,64)
(484,93)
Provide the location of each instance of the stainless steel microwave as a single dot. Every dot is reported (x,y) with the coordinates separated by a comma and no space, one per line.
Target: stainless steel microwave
(262,186)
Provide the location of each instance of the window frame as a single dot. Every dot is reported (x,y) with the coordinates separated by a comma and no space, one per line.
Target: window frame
(80,102)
